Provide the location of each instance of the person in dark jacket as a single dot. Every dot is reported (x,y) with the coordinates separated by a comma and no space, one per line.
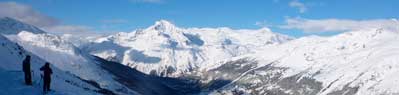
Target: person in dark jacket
(47,76)
(27,71)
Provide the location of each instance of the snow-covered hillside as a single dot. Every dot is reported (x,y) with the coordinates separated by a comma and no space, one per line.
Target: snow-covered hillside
(166,50)
(12,78)
(12,26)
(205,61)
(104,77)
(359,62)
(67,57)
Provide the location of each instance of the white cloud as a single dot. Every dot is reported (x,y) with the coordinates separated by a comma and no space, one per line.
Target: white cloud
(338,25)
(296,4)
(68,29)
(26,14)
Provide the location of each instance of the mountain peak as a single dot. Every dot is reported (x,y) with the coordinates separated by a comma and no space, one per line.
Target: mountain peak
(163,22)
(9,25)
(265,29)
(163,25)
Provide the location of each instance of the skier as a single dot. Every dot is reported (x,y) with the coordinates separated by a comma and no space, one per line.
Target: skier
(27,71)
(47,76)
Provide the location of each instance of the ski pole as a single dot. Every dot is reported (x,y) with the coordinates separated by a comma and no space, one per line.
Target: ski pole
(41,78)
(32,77)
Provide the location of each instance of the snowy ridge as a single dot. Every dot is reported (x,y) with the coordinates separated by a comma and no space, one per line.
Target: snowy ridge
(48,41)
(360,62)
(67,57)
(166,50)
(209,61)
(12,26)
(12,76)
(92,74)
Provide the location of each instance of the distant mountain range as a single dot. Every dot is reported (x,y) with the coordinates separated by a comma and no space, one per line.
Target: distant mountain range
(166,59)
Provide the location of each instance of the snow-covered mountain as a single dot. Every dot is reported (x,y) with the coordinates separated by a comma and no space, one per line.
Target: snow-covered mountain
(65,56)
(166,50)
(206,61)
(11,26)
(108,75)
(12,78)
(353,63)
(61,54)
(104,77)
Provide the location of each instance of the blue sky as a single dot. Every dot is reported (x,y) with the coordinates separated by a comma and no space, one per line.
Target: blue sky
(127,15)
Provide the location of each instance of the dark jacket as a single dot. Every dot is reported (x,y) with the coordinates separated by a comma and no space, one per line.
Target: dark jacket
(26,65)
(47,71)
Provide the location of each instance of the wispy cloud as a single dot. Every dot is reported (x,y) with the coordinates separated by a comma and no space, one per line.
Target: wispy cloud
(296,4)
(26,14)
(69,29)
(338,25)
